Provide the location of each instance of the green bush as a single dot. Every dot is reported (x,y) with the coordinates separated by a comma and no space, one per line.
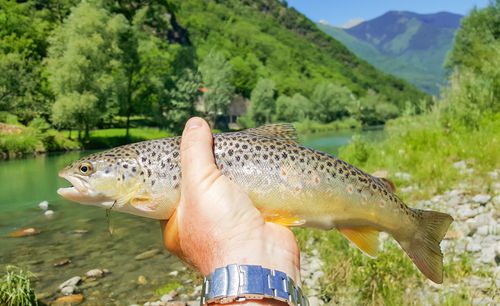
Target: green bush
(8,118)
(15,287)
(25,142)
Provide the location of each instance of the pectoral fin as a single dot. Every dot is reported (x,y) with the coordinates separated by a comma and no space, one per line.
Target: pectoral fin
(286,221)
(365,238)
(143,202)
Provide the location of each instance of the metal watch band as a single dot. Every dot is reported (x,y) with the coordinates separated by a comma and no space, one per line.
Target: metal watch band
(242,282)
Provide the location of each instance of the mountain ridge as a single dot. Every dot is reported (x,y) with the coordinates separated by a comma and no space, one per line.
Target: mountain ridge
(409,45)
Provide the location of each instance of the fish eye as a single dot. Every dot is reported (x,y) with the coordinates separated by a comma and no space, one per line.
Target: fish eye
(85,168)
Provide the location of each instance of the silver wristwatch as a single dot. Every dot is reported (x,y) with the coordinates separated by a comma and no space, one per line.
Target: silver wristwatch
(241,282)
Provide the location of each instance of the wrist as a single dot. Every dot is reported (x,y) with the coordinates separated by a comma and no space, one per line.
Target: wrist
(256,250)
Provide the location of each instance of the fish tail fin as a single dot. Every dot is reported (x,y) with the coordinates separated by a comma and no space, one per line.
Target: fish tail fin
(423,248)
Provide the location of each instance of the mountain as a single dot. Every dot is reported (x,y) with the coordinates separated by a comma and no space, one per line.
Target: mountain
(268,39)
(408,45)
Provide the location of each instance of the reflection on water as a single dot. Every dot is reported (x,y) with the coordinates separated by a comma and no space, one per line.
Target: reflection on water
(80,233)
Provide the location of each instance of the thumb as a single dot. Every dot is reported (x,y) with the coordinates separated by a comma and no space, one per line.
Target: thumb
(197,157)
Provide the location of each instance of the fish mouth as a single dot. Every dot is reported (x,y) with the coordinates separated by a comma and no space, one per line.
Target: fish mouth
(77,191)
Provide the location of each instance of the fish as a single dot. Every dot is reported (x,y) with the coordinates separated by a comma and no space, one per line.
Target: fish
(290,184)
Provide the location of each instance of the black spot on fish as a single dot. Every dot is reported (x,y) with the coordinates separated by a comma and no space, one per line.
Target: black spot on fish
(174,177)
(134,169)
(284,155)
(264,156)
(144,159)
(244,147)
(329,164)
(149,172)
(237,145)
(230,152)
(125,166)
(107,171)
(153,154)
(175,154)
(237,158)
(153,182)
(258,148)
(292,158)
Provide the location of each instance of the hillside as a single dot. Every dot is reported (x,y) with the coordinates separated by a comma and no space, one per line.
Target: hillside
(267,39)
(408,45)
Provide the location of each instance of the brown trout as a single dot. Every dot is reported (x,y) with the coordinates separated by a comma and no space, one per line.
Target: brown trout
(290,184)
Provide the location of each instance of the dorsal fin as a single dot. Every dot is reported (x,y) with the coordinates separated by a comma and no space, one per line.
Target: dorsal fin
(282,131)
(388,184)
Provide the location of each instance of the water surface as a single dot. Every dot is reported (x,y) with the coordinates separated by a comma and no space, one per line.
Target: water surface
(81,233)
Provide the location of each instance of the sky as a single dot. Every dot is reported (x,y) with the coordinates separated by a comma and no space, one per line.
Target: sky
(338,12)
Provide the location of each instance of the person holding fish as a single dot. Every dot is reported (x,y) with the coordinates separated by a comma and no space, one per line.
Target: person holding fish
(216,224)
(229,207)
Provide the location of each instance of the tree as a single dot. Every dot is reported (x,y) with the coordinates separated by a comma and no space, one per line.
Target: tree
(330,102)
(22,47)
(83,56)
(216,73)
(292,109)
(182,100)
(262,103)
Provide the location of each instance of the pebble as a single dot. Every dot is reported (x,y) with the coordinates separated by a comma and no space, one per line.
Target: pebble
(68,290)
(403,176)
(466,212)
(473,247)
(166,298)
(44,205)
(71,282)
(62,262)
(173,273)
(49,213)
(460,165)
(23,232)
(147,254)
(95,273)
(481,198)
(142,280)
(70,298)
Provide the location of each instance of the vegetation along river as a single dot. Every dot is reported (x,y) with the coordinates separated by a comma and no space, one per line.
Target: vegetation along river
(81,234)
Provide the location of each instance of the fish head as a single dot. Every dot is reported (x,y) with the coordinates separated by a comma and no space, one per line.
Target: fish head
(108,179)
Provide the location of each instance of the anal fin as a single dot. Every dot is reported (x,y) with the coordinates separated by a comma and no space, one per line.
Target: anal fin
(365,238)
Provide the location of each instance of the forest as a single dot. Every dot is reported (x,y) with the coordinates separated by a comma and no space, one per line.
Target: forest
(95,65)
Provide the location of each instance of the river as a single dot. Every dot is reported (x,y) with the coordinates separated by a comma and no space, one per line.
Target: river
(81,233)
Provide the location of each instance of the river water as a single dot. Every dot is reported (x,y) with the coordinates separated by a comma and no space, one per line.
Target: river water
(82,233)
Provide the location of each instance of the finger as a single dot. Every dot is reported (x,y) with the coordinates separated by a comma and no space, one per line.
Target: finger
(171,235)
(197,158)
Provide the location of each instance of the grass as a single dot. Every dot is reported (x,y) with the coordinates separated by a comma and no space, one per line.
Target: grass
(309,126)
(15,287)
(423,148)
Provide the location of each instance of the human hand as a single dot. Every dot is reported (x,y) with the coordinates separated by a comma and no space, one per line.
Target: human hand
(215,223)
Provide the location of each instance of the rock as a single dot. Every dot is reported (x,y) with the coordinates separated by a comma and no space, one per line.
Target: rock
(465,212)
(188,281)
(173,273)
(49,213)
(408,189)
(488,255)
(473,247)
(147,254)
(142,280)
(68,290)
(403,176)
(29,231)
(461,165)
(95,273)
(496,200)
(481,198)
(483,230)
(184,297)
(44,205)
(455,200)
(173,293)
(62,262)
(381,173)
(315,301)
(70,298)
(71,282)
(493,174)
(166,298)
(450,235)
